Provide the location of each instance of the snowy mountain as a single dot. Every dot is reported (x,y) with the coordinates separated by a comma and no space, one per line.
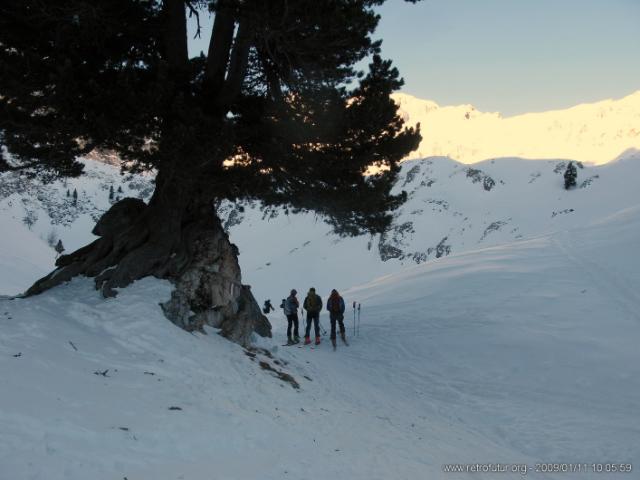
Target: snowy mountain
(452,208)
(522,354)
(596,133)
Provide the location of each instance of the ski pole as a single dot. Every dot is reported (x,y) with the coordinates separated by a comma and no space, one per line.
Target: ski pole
(359,305)
(305,320)
(354,319)
(324,332)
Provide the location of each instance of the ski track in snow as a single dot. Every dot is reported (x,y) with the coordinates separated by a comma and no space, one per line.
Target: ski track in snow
(613,283)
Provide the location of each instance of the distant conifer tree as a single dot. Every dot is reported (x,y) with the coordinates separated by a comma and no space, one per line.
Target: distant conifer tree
(570,176)
(59,248)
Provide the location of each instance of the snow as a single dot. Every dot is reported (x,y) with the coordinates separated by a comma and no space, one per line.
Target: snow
(527,342)
(520,353)
(25,257)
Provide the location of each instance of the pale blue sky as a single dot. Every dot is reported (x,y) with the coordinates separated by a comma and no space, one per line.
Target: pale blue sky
(512,56)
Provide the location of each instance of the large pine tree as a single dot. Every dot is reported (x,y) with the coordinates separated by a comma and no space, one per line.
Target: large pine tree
(275,111)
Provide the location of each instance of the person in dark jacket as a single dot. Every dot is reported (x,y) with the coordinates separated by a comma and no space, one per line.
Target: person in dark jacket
(335,305)
(291,305)
(313,305)
(267,307)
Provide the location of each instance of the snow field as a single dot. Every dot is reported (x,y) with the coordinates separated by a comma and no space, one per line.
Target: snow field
(520,353)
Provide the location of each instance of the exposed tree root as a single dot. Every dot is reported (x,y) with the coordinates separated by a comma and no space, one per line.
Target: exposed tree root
(193,253)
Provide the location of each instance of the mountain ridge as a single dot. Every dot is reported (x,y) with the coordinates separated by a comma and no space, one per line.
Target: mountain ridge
(589,132)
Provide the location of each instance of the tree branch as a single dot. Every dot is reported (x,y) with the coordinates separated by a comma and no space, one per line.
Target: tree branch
(194,12)
(275,90)
(219,50)
(238,64)
(175,35)
(7,167)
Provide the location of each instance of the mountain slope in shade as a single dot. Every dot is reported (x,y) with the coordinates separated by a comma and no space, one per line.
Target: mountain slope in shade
(24,257)
(452,208)
(34,215)
(595,133)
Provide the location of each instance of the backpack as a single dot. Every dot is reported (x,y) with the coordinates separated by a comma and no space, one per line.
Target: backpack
(314,303)
(334,304)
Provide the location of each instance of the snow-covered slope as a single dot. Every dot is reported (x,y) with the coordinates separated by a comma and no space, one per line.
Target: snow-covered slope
(34,215)
(596,132)
(49,209)
(24,257)
(519,354)
(452,208)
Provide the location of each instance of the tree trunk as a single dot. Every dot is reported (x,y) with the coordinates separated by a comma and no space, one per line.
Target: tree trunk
(178,237)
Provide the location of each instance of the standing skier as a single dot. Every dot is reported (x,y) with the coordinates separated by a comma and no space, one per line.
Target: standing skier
(313,305)
(335,305)
(291,305)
